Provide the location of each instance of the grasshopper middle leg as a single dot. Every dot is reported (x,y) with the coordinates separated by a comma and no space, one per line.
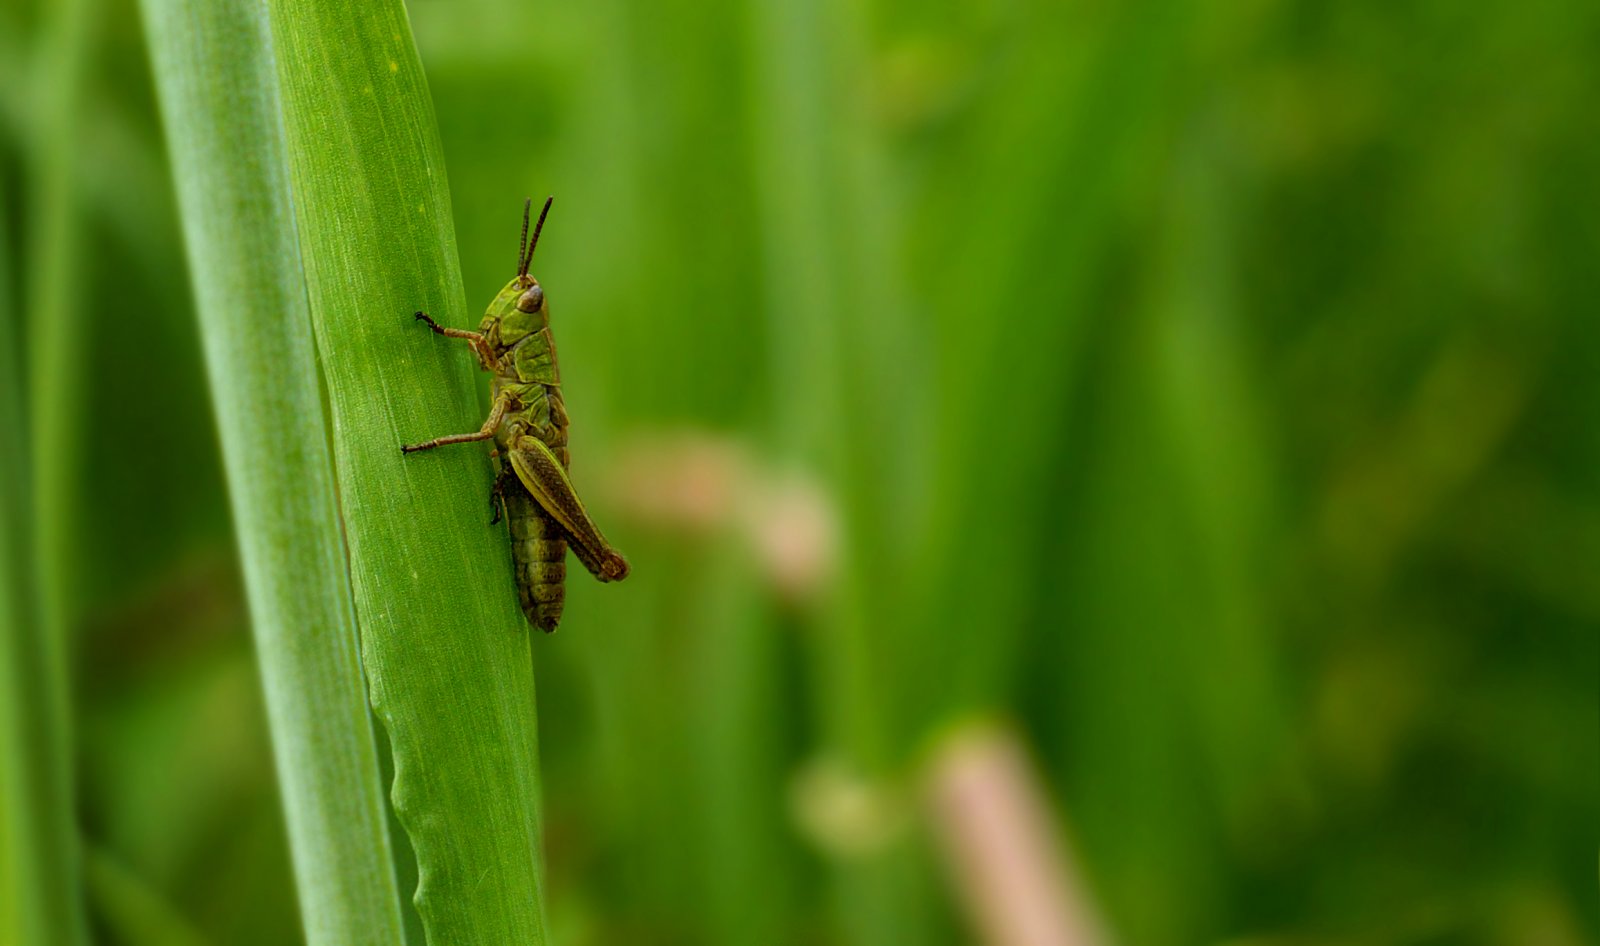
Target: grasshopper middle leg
(496,414)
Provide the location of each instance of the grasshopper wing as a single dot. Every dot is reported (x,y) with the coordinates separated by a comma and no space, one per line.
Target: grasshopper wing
(543,475)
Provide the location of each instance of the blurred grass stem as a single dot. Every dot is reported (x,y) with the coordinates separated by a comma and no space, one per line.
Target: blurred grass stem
(56,406)
(999,836)
(23,887)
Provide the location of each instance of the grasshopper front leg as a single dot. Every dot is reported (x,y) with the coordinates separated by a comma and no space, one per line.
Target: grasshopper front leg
(496,414)
(480,345)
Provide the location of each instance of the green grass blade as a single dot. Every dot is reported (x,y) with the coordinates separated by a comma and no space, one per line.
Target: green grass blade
(217,87)
(23,918)
(126,906)
(447,651)
(1035,243)
(56,312)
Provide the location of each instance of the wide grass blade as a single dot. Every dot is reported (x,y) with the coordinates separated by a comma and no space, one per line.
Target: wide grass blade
(219,102)
(446,650)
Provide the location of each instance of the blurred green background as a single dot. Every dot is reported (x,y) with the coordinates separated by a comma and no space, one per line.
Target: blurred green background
(1204,392)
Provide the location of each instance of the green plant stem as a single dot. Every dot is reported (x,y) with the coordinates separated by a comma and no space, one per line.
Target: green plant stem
(126,906)
(56,407)
(219,101)
(808,180)
(1063,167)
(22,918)
(446,650)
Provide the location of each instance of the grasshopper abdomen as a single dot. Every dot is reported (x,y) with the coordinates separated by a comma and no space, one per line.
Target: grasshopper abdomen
(539,558)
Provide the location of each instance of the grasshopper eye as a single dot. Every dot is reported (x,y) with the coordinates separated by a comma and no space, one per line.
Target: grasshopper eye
(531,300)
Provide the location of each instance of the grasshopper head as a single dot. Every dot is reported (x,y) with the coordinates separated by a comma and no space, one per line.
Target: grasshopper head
(519,308)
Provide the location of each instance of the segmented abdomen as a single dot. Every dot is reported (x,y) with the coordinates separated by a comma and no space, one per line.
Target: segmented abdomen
(539,558)
(538,543)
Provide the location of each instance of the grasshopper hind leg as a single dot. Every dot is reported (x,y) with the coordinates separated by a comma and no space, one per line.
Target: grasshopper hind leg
(545,478)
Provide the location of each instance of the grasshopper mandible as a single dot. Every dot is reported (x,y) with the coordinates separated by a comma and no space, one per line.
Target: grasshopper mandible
(528,423)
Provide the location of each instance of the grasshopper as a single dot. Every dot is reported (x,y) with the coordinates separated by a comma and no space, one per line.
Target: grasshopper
(528,423)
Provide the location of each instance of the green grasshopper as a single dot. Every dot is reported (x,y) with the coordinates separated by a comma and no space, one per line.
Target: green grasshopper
(528,423)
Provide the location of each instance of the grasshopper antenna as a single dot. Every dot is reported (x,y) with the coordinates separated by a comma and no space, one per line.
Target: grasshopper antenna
(522,245)
(523,271)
